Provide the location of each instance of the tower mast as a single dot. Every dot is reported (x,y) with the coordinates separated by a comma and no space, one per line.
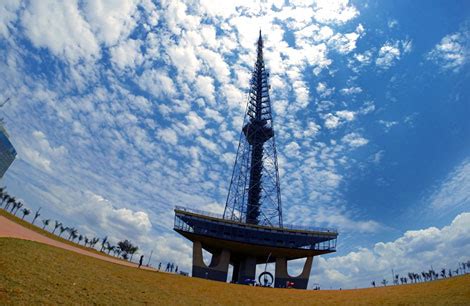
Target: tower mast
(254,193)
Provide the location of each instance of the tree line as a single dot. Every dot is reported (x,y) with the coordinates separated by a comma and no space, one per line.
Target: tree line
(426,276)
(124,249)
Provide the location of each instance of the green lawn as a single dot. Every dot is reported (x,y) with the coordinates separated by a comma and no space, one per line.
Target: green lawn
(34,273)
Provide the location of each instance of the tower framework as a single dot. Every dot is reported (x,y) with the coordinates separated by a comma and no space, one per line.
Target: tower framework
(251,230)
(254,194)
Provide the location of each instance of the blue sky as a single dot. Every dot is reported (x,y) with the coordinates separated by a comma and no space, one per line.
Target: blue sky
(121,110)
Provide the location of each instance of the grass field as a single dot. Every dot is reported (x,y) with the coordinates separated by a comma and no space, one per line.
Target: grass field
(48,234)
(34,273)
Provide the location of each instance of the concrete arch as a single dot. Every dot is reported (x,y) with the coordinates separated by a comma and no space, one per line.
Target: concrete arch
(282,276)
(218,267)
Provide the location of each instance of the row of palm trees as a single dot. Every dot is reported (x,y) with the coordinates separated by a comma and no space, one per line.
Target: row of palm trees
(426,276)
(124,249)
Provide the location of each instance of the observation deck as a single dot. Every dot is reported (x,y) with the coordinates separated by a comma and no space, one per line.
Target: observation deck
(241,239)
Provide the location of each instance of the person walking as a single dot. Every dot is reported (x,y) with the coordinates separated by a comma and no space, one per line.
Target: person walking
(141,260)
(176,270)
(167,267)
(159,266)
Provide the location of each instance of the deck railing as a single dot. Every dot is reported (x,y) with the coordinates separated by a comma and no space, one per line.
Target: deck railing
(285,226)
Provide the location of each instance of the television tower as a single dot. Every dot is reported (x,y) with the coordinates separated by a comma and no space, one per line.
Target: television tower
(251,230)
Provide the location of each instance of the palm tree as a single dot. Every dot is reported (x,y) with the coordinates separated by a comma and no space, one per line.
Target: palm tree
(2,193)
(46,223)
(18,206)
(132,251)
(56,226)
(80,238)
(5,197)
(86,240)
(36,215)
(25,213)
(109,247)
(73,232)
(103,242)
(13,207)
(443,273)
(62,230)
(384,282)
(94,241)
(10,201)
(410,276)
(434,275)
(74,235)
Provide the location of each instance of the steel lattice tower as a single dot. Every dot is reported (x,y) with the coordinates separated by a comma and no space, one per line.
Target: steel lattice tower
(251,231)
(254,194)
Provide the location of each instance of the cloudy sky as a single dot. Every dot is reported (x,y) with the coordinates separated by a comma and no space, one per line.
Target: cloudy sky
(121,110)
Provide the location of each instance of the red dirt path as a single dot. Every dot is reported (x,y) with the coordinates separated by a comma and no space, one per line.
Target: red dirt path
(12,229)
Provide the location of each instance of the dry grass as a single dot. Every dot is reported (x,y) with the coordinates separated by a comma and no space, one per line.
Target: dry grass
(33,273)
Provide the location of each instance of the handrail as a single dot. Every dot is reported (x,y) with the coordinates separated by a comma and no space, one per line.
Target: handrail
(285,226)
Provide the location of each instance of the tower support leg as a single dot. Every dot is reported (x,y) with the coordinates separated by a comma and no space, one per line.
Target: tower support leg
(217,269)
(247,270)
(282,276)
(236,270)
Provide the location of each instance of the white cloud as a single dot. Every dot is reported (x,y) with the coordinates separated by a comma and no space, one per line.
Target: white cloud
(323,90)
(8,14)
(195,121)
(292,149)
(40,153)
(452,52)
(351,90)
(392,23)
(388,124)
(454,192)
(389,53)
(346,115)
(185,60)
(346,43)
(61,28)
(127,54)
(168,135)
(111,20)
(331,121)
(354,140)
(337,11)
(205,87)
(334,121)
(415,251)
(311,130)
(364,58)
(157,82)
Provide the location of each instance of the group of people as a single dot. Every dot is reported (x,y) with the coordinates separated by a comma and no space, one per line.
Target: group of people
(169,267)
